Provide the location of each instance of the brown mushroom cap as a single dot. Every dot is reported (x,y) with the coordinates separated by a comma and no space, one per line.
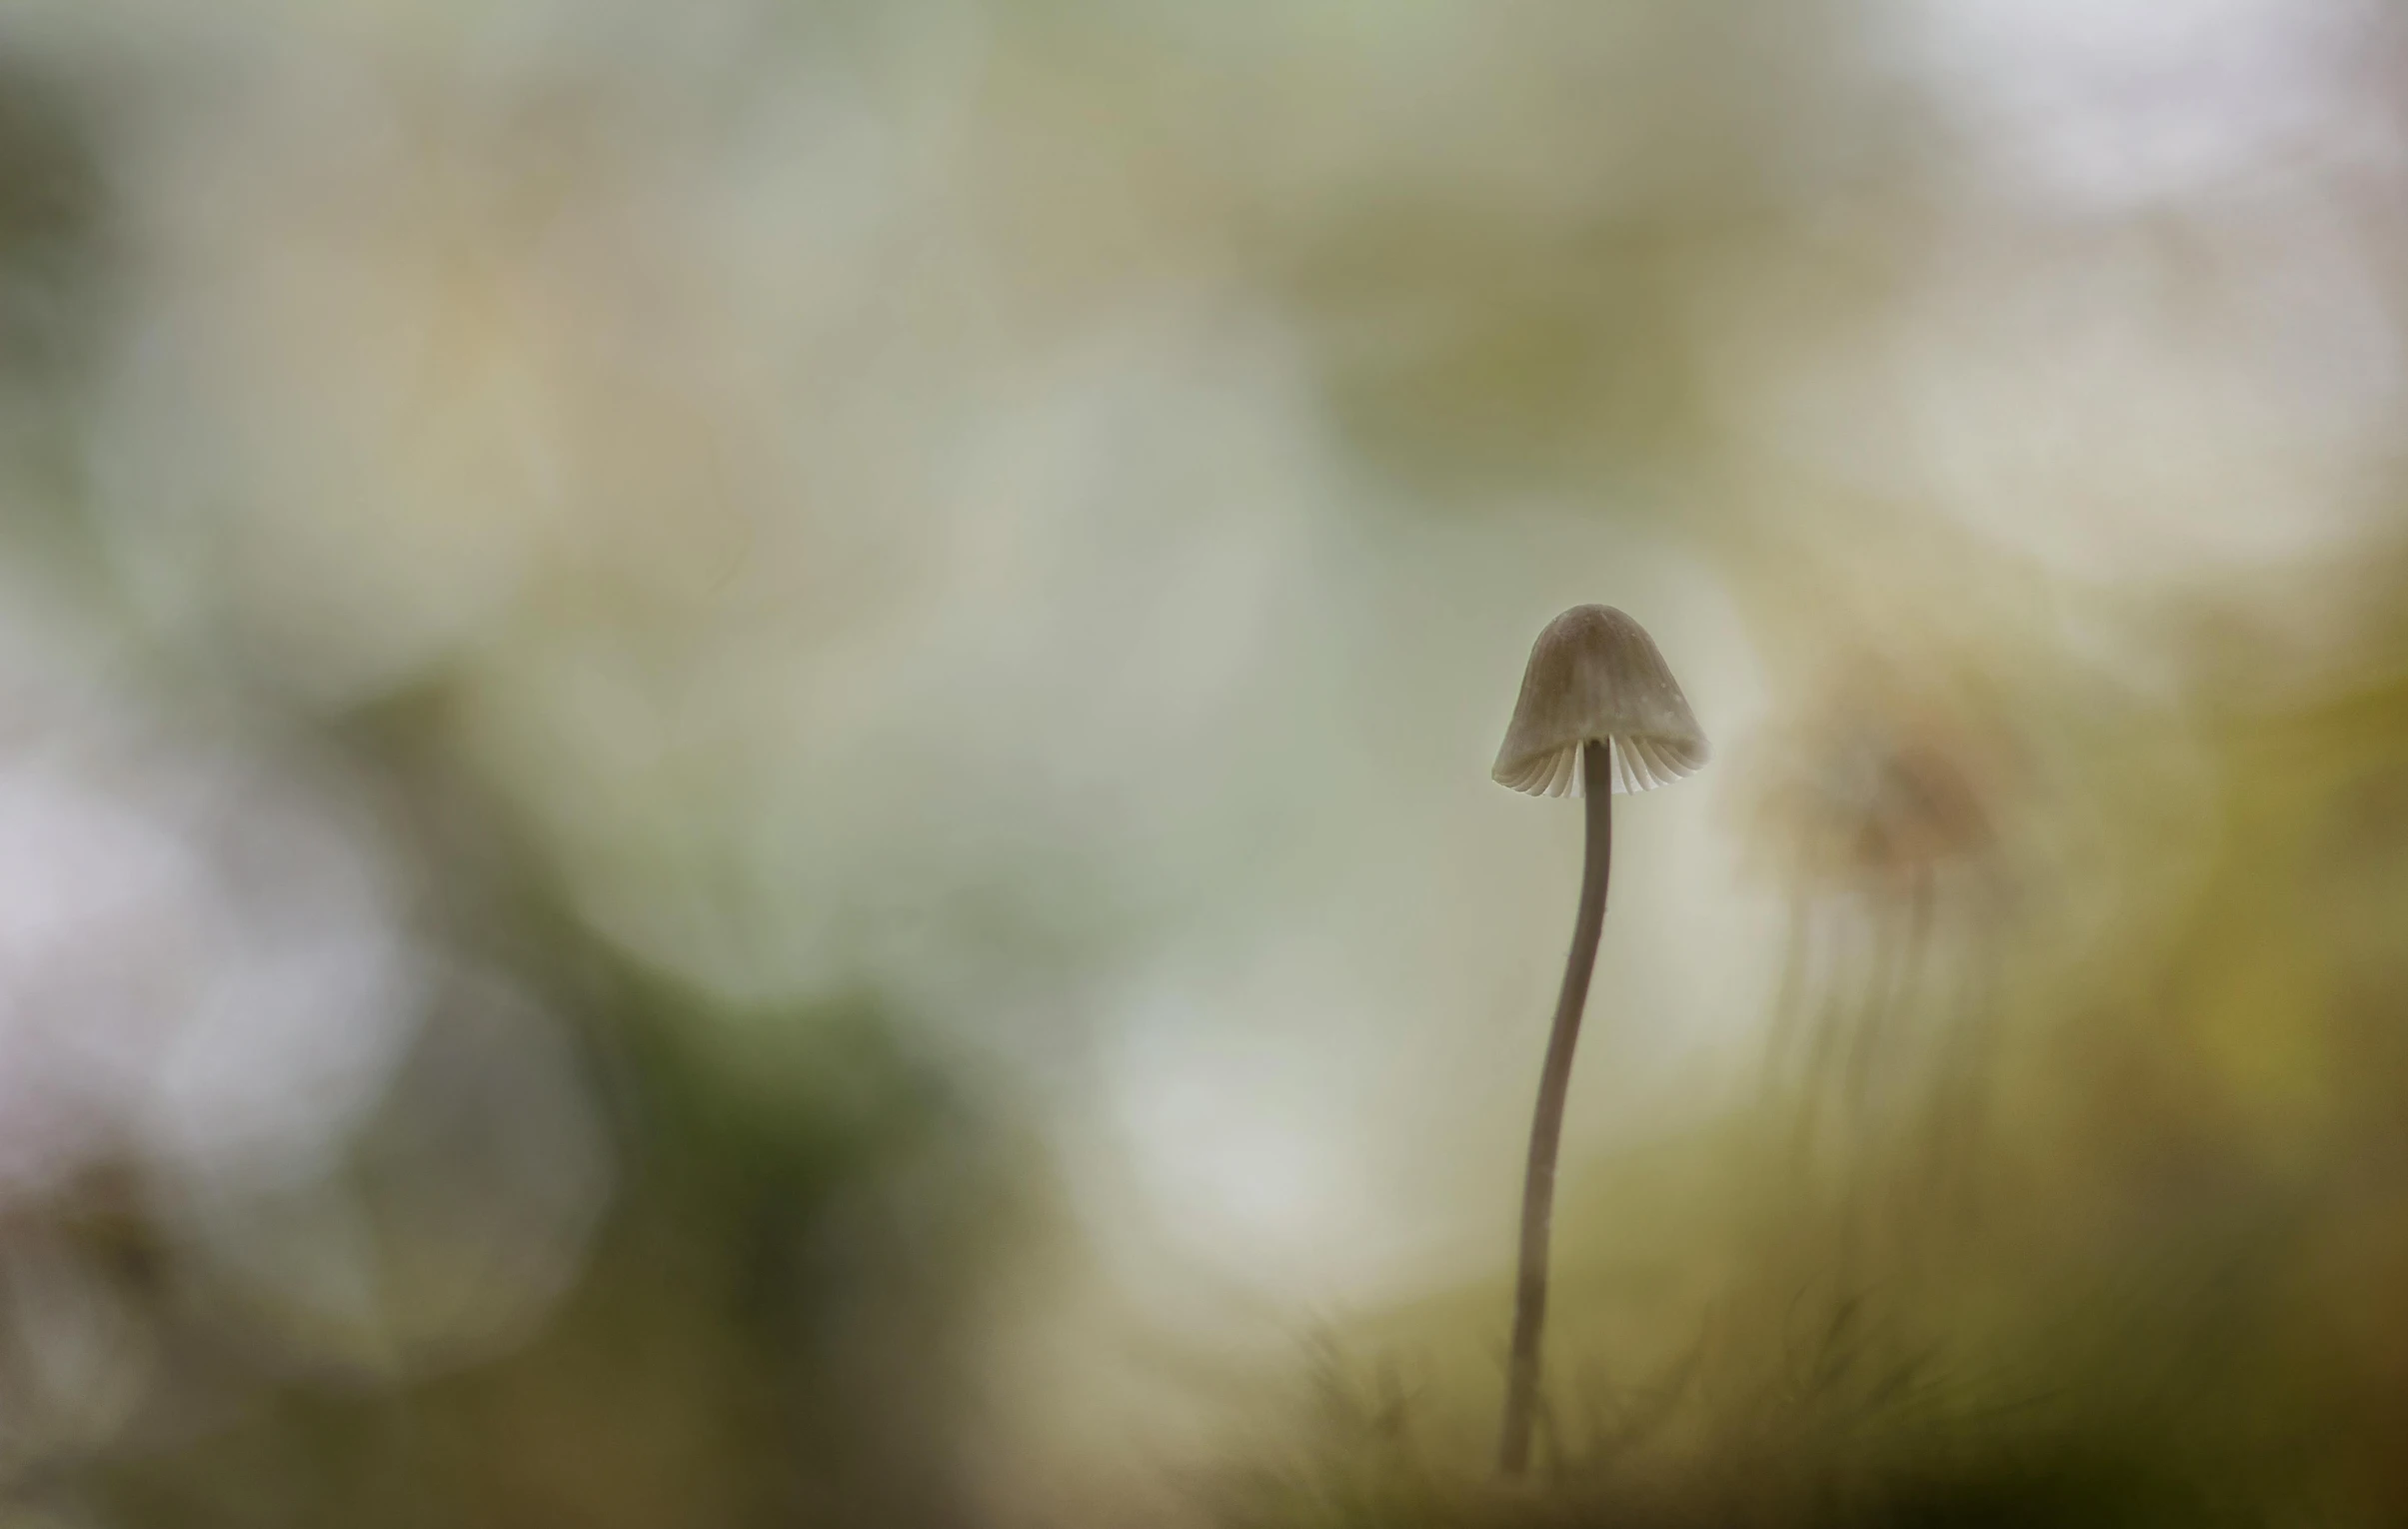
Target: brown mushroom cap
(1594,673)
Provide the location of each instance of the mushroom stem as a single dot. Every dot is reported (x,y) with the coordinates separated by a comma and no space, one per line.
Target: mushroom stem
(1546,1124)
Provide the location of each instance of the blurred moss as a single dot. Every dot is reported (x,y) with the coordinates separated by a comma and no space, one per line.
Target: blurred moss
(773,1324)
(51,220)
(768,1330)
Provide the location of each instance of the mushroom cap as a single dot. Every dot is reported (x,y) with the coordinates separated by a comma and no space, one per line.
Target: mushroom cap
(1594,673)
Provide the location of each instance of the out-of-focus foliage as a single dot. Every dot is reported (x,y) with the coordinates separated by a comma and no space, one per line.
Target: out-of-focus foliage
(743,759)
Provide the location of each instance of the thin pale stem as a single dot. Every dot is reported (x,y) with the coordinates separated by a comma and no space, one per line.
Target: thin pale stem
(1546,1124)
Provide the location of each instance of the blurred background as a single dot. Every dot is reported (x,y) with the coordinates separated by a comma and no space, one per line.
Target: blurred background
(743,759)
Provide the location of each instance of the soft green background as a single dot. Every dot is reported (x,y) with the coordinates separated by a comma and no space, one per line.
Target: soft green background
(744,747)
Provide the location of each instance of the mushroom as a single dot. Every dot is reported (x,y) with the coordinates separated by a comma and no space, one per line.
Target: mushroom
(1598,705)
